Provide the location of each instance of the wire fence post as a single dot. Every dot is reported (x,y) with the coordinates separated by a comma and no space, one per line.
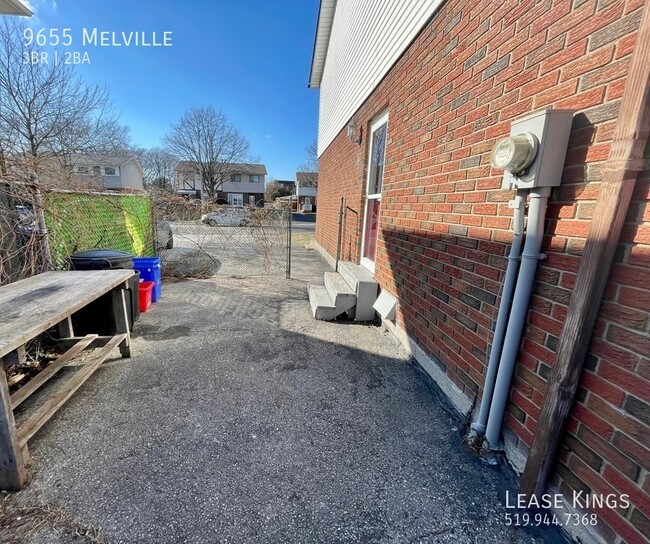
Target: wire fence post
(338,240)
(289,237)
(39,215)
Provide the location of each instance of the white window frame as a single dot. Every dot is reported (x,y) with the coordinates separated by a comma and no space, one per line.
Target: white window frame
(235,178)
(254,178)
(113,168)
(252,201)
(378,122)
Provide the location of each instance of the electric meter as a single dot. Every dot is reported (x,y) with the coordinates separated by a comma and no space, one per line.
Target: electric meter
(515,153)
(533,155)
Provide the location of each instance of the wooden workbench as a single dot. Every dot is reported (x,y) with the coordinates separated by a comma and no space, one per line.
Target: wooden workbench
(30,307)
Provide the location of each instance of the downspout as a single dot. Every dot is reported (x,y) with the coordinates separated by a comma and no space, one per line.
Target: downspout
(519,311)
(509,282)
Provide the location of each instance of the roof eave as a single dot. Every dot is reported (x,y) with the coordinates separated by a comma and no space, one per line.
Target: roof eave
(326,11)
(15,7)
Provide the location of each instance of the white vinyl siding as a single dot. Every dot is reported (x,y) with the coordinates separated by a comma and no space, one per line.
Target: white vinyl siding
(244,186)
(367,38)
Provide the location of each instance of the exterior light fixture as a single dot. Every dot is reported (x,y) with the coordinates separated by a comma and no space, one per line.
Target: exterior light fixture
(354,132)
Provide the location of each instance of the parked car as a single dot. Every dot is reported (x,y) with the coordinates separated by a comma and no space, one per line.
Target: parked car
(232,217)
(164,235)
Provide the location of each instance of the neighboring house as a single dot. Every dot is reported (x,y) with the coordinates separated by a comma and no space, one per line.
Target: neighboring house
(241,184)
(413,98)
(83,172)
(306,190)
(287,183)
(115,172)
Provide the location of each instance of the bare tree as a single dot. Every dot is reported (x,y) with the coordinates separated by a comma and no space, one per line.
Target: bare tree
(159,167)
(274,190)
(309,168)
(47,112)
(209,143)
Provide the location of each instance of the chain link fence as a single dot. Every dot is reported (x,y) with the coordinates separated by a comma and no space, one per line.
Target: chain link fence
(81,221)
(39,231)
(199,239)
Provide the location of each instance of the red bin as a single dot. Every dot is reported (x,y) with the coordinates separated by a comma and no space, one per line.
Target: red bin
(146,291)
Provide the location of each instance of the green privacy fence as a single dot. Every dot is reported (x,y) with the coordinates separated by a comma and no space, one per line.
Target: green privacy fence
(81,221)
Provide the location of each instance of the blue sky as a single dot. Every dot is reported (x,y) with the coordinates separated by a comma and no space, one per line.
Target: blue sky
(249,58)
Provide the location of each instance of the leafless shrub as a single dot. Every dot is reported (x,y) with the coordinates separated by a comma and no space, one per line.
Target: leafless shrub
(210,239)
(73,221)
(20,250)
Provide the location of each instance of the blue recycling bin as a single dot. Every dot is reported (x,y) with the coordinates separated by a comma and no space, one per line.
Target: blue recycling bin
(150,270)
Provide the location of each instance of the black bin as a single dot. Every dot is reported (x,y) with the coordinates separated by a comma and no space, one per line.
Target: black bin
(95,317)
(101,259)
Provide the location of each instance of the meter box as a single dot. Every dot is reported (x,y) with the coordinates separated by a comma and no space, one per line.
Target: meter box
(534,154)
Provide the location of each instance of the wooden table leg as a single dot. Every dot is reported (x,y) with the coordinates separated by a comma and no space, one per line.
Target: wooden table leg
(16,357)
(65,328)
(13,475)
(121,318)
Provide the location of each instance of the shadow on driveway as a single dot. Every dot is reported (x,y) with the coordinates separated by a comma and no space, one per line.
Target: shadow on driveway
(241,419)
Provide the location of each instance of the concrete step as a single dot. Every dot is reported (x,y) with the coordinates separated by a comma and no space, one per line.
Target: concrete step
(322,305)
(354,273)
(340,292)
(330,300)
(365,288)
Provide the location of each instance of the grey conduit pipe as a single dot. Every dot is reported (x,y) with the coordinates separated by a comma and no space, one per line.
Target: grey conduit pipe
(509,282)
(518,312)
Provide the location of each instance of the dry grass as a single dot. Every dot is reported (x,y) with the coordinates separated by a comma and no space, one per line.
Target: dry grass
(302,239)
(18,521)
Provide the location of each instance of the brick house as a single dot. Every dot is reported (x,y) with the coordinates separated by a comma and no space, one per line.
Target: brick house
(413,97)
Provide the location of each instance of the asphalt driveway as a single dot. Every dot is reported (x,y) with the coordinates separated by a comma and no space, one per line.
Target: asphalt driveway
(241,419)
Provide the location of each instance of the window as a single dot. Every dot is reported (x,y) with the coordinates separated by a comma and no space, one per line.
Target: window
(235,178)
(254,178)
(97,170)
(110,171)
(188,182)
(83,170)
(251,200)
(377,155)
(235,199)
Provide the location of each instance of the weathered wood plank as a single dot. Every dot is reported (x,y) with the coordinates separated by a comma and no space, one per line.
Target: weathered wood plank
(98,341)
(619,178)
(13,474)
(30,427)
(37,381)
(120,315)
(31,306)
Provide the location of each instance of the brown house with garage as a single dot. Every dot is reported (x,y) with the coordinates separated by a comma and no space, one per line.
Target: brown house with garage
(457,137)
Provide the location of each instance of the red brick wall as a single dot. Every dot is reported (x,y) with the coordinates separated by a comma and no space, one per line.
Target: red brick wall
(445,223)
